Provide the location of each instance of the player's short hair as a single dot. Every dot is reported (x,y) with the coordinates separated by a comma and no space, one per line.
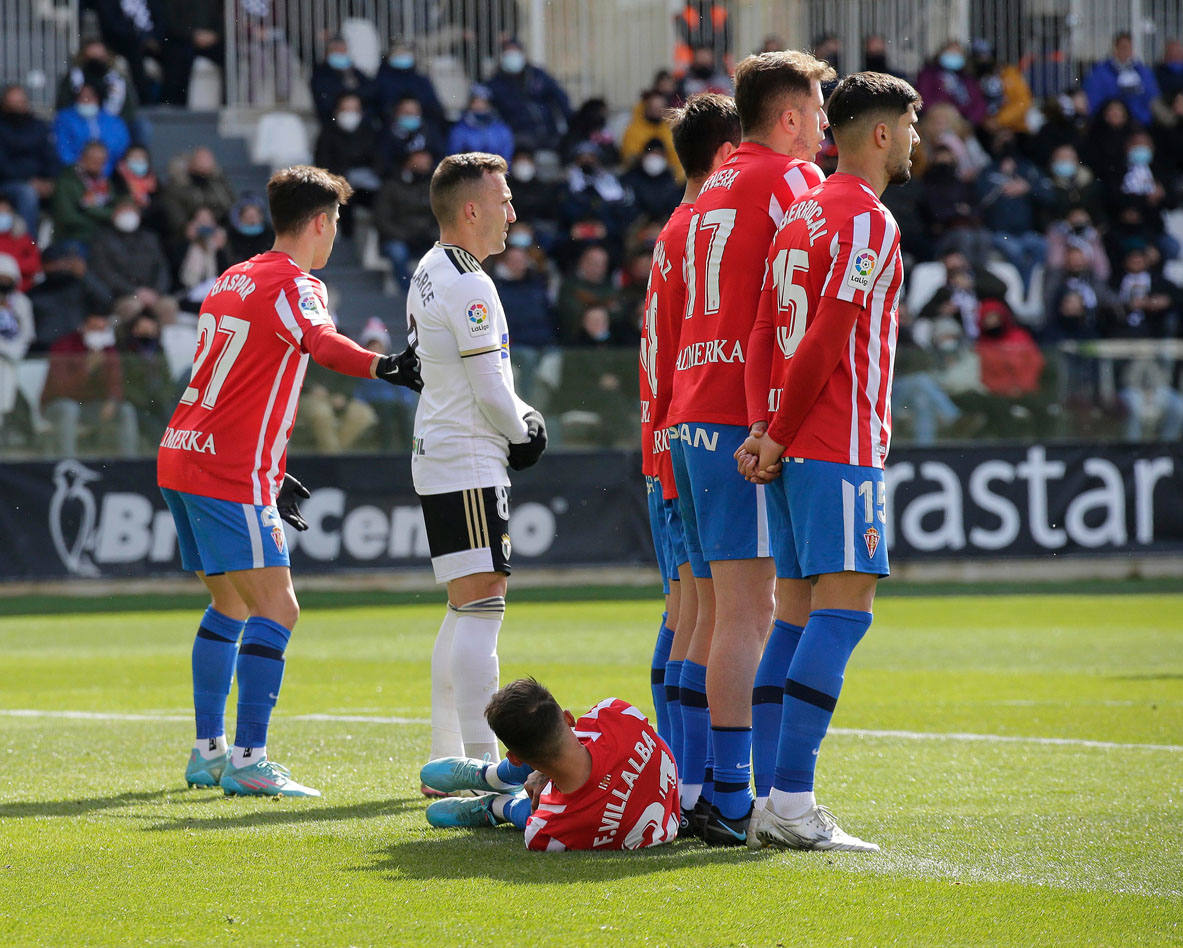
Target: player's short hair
(297,194)
(868,96)
(762,81)
(453,178)
(700,127)
(527,720)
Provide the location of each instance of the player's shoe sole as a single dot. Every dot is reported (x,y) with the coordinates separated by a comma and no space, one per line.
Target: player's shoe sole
(721,831)
(263,778)
(205,773)
(817,830)
(451,774)
(458,812)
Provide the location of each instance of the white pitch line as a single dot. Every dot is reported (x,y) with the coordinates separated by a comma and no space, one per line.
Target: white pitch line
(376,719)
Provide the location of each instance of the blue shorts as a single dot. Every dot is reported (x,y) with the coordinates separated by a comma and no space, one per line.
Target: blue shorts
(218,536)
(658,530)
(729,511)
(828,518)
(674,538)
(698,564)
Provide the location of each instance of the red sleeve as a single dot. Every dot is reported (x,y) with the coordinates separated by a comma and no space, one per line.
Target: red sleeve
(757,374)
(339,353)
(812,365)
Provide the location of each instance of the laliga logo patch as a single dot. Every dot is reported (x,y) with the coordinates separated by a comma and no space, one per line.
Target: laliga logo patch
(871,538)
(478,317)
(312,310)
(862,267)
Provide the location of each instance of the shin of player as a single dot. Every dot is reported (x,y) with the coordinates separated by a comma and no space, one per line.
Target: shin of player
(221,470)
(469,426)
(779,101)
(834,279)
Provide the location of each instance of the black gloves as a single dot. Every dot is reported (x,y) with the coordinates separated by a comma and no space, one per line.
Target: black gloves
(401,369)
(522,456)
(285,501)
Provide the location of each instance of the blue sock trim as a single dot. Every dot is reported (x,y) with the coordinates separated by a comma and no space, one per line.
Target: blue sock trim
(260,677)
(511,773)
(221,625)
(661,655)
(518,812)
(267,632)
(212,660)
(696,722)
(673,706)
(732,770)
(768,694)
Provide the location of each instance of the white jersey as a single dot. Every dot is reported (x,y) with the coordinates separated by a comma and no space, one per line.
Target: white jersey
(468,410)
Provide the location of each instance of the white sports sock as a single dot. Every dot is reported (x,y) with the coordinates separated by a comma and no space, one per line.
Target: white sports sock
(475,672)
(500,802)
(494,781)
(791,806)
(690,794)
(445,722)
(241,756)
(761,802)
(212,747)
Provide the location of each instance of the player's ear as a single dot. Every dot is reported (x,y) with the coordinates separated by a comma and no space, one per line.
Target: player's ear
(569,718)
(513,758)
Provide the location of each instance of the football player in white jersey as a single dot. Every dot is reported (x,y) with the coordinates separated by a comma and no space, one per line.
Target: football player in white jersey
(470,424)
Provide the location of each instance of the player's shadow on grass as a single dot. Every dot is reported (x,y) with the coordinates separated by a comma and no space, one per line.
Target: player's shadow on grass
(21,809)
(498,855)
(274,811)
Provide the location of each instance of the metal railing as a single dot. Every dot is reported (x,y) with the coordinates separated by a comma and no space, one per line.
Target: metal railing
(37,39)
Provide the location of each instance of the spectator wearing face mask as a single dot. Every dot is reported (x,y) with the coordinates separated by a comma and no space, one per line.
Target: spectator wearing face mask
(248,234)
(199,253)
(94,66)
(480,128)
(531,101)
(1013,196)
(704,74)
(139,180)
(347,146)
(195,181)
(335,75)
(148,385)
(590,285)
(131,262)
(595,192)
(28,159)
(85,122)
(1077,230)
(1149,303)
(521,278)
(590,123)
(84,386)
(651,181)
(17,244)
(534,200)
(16,332)
(1073,185)
(1124,78)
(946,78)
(406,131)
(398,79)
(402,212)
(68,293)
(647,123)
(84,196)
(1142,190)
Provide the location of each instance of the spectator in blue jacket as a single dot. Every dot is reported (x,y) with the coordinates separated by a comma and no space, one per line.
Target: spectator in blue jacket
(335,76)
(532,102)
(406,131)
(1124,78)
(85,121)
(28,161)
(399,79)
(480,128)
(1013,196)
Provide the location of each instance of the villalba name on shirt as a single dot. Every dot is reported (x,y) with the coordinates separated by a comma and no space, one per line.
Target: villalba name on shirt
(704,353)
(184,439)
(614,809)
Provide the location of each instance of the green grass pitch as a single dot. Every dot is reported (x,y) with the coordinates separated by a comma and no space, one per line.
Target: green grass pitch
(989,837)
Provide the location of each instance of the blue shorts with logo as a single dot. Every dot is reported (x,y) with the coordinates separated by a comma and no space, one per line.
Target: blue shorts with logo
(218,536)
(729,511)
(698,565)
(659,529)
(828,518)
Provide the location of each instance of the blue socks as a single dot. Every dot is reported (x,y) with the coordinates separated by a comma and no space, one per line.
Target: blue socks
(511,774)
(661,655)
(811,693)
(515,810)
(767,698)
(732,750)
(260,674)
(696,729)
(214,651)
(673,706)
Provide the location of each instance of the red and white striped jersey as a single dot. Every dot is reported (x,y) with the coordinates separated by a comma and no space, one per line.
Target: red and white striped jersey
(665,311)
(228,437)
(629,801)
(736,214)
(839,241)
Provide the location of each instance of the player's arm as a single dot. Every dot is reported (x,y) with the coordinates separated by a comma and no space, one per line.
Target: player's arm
(339,353)
(811,366)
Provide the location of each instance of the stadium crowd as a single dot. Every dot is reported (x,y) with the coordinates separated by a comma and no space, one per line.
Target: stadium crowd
(1034,232)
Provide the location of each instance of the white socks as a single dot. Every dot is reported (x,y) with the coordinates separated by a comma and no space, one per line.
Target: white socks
(211,747)
(445,722)
(791,806)
(475,672)
(241,756)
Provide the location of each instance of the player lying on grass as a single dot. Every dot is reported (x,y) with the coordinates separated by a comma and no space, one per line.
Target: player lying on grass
(606,781)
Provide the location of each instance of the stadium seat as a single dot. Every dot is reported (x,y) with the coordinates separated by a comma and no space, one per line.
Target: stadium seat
(1173,224)
(1009,274)
(364,44)
(205,86)
(1173,271)
(280,140)
(923,281)
(1032,311)
(179,342)
(451,83)
(30,381)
